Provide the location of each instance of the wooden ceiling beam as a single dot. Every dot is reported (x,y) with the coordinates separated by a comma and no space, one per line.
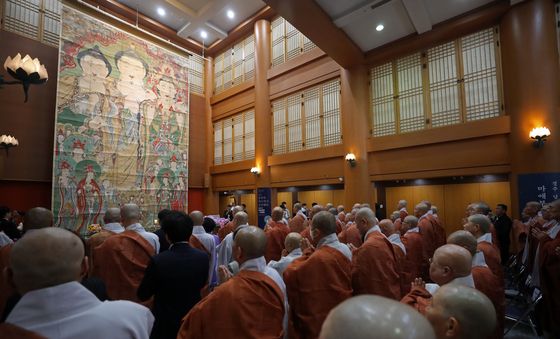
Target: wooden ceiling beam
(311,20)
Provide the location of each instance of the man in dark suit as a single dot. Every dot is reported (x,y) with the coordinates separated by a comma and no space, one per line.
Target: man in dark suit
(503,224)
(174,277)
(7,225)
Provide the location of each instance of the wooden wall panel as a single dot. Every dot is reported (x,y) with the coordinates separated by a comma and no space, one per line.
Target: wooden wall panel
(322,197)
(394,194)
(310,74)
(451,155)
(234,104)
(250,201)
(197,141)
(457,197)
(309,170)
(338,199)
(451,200)
(494,193)
(32,123)
(287,197)
(233,180)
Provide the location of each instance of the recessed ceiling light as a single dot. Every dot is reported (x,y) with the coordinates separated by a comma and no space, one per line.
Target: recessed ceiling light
(203,34)
(379,27)
(161,11)
(230,14)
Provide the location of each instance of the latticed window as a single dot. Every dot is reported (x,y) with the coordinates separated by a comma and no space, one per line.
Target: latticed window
(35,19)
(234,138)
(287,42)
(235,65)
(196,74)
(307,119)
(452,83)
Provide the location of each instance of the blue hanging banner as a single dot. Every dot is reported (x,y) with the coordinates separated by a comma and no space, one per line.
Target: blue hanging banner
(264,205)
(541,187)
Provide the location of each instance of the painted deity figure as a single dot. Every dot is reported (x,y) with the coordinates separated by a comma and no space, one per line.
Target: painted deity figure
(164,193)
(164,131)
(67,208)
(89,198)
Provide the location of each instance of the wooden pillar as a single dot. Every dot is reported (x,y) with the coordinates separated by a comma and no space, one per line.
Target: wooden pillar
(355,132)
(211,198)
(263,140)
(531,88)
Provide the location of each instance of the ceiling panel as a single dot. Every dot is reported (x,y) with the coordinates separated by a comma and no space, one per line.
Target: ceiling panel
(338,8)
(243,9)
(441,10)
(392,15)
(173,18)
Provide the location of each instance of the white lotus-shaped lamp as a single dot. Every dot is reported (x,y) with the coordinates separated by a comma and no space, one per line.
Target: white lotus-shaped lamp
(539,134)
(7,142)
(26,71)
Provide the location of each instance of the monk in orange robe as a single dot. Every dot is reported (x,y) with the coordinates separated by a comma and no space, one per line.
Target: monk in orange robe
(426,227)
(415,255)
(450,265)
(319,280)
(276,232)
(484,279)
(298,221)
(248,305)
(121,261)
(340,224)
(388,229)
(351,235)
(230,226)
(374,266)
(35,218)
(479,226)
(439,230)
(111,220)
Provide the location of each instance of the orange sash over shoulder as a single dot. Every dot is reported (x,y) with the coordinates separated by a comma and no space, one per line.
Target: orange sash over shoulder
(249,305)
(121,261)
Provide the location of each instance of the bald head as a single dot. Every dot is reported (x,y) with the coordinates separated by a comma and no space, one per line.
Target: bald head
(368,316)
(464,239)
(112,215)
(402,204)
(450,262)
(340,208)
(36,218)
(277,213)
(420,209)
(292,241)
(409,222)
(365,220)
(324,222)
(314,210)
(461,312)
(477,224)
(237,208)
(387,227)
(251,243)
(130,214)
(197,218)
(46,257)
(240,218)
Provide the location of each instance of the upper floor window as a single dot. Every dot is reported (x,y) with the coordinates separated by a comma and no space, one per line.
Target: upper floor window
(452,83)
(235,65)
(287,42)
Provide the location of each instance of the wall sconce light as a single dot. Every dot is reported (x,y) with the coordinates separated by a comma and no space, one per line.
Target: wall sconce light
(256,171)
(7,142)
(351,158)
(539,134)
(26,71)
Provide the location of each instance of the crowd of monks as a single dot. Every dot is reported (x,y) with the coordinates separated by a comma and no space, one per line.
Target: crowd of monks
(323,273)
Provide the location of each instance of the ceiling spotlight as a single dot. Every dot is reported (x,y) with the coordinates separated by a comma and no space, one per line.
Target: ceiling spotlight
(379,27)
(203,34)
(230,14)
(161,11)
